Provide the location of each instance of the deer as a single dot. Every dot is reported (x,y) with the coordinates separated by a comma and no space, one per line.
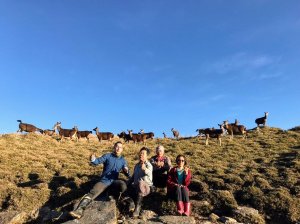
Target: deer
(66,133)
(103,135)
(175,133)
(28,127)
(212,133)
(261,120)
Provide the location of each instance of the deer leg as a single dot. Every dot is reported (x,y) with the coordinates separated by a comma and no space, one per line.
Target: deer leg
(206,140)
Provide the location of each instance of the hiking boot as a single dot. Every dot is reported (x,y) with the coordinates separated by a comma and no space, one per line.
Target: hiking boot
(78,212)
(138,206)
(180,207)
(187,209)
(131,206)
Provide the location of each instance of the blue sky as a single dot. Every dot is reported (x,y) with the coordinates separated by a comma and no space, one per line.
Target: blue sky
(155,65)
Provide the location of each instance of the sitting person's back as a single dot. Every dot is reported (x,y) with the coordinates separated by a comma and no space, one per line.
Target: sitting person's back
(161,165)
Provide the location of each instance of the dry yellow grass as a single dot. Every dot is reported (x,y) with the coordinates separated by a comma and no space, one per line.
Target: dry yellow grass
(261,172)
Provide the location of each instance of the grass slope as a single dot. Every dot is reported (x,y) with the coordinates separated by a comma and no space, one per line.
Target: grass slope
(261,172)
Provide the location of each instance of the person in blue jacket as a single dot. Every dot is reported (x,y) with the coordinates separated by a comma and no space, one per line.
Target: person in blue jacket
(113,163)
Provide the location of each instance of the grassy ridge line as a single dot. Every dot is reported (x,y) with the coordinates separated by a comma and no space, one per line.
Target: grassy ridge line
(36,170)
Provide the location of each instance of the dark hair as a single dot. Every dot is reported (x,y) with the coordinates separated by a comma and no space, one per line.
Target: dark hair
(185,161)
(146,149)
(117,143)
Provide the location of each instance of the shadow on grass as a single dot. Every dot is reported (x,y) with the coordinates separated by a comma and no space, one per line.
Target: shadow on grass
(34,180)
(56,209)
(287,159)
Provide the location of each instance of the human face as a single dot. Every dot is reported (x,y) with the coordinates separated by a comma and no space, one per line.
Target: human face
(118,149)
(143,155)
(180,161)
(159,152)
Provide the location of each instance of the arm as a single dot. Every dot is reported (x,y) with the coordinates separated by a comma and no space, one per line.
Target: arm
(131,179)
(149,169)
(167,164)
(171,180)
(188,178)
(153,163)
(125,169)
(99,160)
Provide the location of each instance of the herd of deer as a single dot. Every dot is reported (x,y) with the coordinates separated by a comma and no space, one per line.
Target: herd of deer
(230,128)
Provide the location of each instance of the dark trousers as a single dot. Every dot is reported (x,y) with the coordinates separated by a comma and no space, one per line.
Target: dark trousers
(160,179)
(115,188)
(182,194)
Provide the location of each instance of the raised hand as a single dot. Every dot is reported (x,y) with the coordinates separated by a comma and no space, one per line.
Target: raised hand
(160,164)
(186,170)
(93,157)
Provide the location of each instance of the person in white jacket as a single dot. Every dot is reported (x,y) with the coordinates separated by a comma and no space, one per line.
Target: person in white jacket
(141,181)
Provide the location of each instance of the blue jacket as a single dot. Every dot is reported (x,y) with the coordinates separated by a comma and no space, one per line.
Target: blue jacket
(112,166)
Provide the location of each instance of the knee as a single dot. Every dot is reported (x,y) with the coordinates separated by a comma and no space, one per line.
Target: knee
(178,190)
(123,187)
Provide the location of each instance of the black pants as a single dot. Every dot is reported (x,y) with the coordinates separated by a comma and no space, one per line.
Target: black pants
(182,194)
(160,179)
(115,188)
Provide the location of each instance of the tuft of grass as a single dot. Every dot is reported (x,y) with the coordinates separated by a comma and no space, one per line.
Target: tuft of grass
(223,201)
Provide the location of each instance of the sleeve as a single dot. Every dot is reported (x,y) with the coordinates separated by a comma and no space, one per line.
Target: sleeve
(100,160)
(167,164)
(131,179)
(125,166)
(188,178)
(153,163)
(149,169)
(171,180)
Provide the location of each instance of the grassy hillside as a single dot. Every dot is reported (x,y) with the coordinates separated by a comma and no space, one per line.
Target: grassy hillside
(262,172)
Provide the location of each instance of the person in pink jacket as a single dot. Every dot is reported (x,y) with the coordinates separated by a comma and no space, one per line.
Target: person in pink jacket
(179,178)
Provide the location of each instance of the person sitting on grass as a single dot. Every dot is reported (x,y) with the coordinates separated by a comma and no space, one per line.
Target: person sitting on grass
(113,163)
(179,179)
(161,165)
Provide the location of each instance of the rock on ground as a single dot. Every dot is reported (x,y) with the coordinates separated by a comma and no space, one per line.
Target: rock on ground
(167,219)
(12,217)
(170,219)
(98,212)
(248,215)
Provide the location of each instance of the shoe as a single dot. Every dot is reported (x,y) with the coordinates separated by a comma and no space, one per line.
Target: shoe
(111,198)
(131,205)
(180,207)
(78,212)
(138,206)
(187,208)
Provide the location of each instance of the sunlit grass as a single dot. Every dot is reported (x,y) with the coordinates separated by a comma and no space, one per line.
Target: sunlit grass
(262,172)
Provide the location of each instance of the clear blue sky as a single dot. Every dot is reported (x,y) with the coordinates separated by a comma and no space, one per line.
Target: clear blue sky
(155,65)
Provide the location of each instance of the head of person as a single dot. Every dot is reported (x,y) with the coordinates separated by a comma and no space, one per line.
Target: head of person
(181,160)
(143,155)
(160,151)
(118,148)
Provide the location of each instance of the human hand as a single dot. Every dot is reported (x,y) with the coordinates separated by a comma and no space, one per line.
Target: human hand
(125,169)
(160,164)
(93,157)
(186,170)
